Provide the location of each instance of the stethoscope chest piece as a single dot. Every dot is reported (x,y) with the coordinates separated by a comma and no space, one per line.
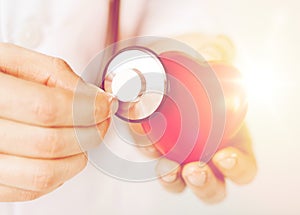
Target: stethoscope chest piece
(181,102)
(137,78)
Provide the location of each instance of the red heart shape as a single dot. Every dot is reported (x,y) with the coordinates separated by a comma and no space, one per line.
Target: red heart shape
(182,124)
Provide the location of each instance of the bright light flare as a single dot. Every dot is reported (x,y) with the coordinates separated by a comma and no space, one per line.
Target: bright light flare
(262,84)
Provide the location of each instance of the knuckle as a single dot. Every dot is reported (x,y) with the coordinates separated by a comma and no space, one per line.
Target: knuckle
(44,179)
(83,162)
(45,110)
(49,144)
(59,64)
(73,168)
(102,128)
(102,104)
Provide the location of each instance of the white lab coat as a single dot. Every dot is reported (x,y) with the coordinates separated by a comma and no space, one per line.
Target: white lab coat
(75,31)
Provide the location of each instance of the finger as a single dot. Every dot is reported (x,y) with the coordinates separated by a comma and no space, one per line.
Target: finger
(142,141)
(36,67)
(241,141)
(237,161)
(236,165)
(169,173)
(13,194)
(39,175)
(38,142)
(39,105)
(211,47)
(202,181)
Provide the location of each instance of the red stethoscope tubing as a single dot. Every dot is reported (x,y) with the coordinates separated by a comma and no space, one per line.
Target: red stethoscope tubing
(113,24)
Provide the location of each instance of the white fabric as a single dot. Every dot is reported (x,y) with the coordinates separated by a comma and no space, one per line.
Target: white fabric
(75,31)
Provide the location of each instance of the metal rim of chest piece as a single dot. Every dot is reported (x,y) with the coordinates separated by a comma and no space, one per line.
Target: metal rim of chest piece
(137,78)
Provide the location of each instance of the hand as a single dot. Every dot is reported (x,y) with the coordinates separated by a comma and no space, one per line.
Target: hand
(235,162)
(39,146)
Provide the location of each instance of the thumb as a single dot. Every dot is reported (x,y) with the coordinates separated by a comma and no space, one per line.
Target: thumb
(36,67)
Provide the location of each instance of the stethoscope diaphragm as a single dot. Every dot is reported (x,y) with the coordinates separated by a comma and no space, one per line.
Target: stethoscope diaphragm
(137,78)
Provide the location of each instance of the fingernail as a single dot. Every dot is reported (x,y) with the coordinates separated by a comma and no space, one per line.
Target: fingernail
(114,105)
(104,106)
(150,149)
(197,178)
(196,174)
(201,164)
(228,163)
(169,178)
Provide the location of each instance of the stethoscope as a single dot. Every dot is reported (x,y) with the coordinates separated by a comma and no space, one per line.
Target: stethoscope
(134,75)
(186,106)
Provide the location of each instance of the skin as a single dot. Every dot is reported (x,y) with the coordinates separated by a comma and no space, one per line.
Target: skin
(235,161)
(38,114)
(39,149)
